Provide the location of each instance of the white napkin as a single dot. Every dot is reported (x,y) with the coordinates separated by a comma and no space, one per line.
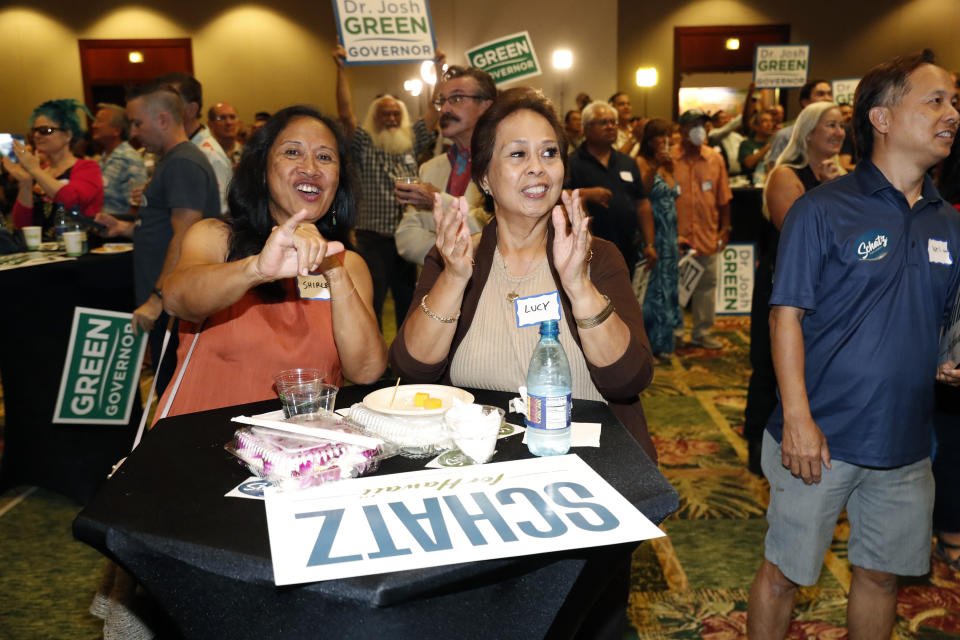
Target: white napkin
(582,434)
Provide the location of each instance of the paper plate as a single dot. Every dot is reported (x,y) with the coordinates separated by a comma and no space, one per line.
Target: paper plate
(403,404)
(114,247)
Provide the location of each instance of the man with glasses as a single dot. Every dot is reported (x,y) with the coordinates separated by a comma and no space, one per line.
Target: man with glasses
(462,96)
(610,183)
(385,149)
(224,123)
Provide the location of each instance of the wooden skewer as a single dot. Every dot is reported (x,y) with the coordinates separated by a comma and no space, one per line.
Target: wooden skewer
(394,397)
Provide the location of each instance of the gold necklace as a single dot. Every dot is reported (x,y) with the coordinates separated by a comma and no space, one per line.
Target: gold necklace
(513,295)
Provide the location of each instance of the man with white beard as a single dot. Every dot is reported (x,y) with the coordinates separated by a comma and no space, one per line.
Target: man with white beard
(385,149)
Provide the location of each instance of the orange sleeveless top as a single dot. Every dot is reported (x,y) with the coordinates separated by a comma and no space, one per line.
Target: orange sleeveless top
(242,346)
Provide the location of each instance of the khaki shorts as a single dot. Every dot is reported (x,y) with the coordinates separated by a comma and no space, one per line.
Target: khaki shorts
(890,513)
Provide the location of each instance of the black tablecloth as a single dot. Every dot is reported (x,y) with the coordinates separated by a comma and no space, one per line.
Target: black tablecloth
(37,313)
(206,558)
(746,214)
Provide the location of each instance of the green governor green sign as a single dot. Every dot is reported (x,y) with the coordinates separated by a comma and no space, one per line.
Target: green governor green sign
(101,373)
(506,59)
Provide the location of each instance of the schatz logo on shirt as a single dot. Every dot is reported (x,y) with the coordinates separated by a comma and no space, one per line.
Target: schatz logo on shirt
(873,245)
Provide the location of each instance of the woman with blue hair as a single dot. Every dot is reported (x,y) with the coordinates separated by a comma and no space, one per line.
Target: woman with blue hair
(52,173)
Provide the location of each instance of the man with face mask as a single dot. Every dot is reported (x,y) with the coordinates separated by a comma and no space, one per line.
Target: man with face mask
(703,216)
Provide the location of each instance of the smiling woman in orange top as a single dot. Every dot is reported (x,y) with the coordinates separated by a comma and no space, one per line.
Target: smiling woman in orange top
(274,283)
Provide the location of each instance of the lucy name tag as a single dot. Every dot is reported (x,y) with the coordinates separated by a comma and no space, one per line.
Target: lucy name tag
(626,176)
(536,309)
(313,287)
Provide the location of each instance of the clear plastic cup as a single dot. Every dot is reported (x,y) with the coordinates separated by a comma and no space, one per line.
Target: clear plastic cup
(475,429)
(299,390)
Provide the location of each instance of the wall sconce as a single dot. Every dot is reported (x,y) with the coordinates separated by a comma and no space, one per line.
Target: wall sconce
(429,72)
(414,86)
(646,77)
(562,59)
(732,44)
(135,57)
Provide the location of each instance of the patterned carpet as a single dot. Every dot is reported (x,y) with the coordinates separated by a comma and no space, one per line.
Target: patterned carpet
(695,582)
(692,584)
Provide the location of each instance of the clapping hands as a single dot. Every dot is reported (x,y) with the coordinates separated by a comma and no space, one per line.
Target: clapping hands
(571,243)
(453,236)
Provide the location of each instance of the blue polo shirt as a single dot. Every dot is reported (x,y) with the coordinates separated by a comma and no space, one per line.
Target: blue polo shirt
(877,280)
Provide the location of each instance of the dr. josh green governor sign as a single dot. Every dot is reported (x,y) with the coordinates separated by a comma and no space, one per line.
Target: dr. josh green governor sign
(101,373)
(781,66)
(385,31)
(506,59)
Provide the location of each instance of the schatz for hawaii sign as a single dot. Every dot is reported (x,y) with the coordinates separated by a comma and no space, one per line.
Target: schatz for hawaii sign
(446,516)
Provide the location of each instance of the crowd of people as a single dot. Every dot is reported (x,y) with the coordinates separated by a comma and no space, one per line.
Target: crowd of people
(259,249)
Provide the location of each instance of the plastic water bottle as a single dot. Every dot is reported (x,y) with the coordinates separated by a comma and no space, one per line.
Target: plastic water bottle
(59,221)
(549,388)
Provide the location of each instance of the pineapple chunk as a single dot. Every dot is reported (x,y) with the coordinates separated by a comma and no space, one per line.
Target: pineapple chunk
(420,399)
(433,403)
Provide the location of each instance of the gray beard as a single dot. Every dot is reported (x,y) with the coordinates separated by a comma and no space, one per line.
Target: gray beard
(399,140)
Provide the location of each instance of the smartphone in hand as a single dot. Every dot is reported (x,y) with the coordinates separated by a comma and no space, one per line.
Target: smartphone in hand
(6,145)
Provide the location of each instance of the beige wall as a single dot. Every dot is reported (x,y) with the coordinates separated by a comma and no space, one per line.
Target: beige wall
(846,37)
(256,57)
(266,56)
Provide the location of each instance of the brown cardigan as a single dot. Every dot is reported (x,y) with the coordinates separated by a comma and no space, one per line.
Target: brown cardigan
(619,383)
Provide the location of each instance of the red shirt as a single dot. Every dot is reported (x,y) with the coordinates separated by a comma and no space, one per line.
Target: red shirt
(84,189)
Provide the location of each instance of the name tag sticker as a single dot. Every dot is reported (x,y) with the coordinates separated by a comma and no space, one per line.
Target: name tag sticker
(409,159)
(706,185)
(313,287)
(626,176)
(536,309)
(938,251)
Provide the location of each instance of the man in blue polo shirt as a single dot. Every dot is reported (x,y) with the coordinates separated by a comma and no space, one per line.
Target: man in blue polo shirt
(611,185)
(867,270)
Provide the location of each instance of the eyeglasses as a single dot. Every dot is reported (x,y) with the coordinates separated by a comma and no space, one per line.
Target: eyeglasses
(225,116)
(455,100)
(609,122)
(46,131)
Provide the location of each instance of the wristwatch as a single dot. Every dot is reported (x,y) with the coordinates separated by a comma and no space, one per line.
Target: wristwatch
(159,294)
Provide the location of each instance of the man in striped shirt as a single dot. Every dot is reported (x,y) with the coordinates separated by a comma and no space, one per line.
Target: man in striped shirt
(385,148)
(121,165)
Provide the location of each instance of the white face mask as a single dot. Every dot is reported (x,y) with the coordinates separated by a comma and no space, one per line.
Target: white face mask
(697,135)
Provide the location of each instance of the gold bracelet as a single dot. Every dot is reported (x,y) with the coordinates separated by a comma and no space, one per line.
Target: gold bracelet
(431,314)
(595,320)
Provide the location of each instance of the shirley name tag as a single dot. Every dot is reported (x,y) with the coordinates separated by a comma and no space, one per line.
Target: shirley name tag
(313,287)
(536,309)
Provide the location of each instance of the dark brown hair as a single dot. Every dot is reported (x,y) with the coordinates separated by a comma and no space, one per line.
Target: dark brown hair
(488,88)
(485,132)
(654,128)
(884,85)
